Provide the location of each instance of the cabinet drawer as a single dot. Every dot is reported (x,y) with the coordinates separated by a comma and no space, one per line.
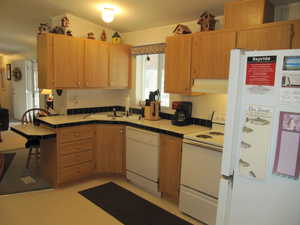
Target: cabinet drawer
(76,158)
(77,146)
(76,133)
(75,172)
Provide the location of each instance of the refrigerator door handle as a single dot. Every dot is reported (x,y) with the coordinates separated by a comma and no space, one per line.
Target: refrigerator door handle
(229,178)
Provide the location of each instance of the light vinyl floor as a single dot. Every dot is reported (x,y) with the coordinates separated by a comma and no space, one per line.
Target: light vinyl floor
(64,206)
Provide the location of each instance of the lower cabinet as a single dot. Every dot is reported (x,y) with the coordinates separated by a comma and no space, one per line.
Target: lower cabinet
(170,165)
(110,152)
(81,151)
(69,157)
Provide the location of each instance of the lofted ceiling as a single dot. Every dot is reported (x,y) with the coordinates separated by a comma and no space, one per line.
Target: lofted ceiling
(19,19)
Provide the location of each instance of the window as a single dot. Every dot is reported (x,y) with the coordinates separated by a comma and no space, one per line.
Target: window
(150,73)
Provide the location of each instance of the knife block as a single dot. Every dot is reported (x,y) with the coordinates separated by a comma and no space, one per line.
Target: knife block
(152,111)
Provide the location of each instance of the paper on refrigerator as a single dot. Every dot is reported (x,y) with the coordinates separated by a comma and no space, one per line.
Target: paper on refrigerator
(255,142)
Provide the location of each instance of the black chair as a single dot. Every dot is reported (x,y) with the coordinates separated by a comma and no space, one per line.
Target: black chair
(1,164)
(33,144)
(4,121)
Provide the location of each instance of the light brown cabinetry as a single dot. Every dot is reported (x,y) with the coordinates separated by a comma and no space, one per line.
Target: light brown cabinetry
(96,64)
(66,62)
(75,152)
(296,34)
(243,13)
(119,66)
(71,156)
(60,61)
(110,154)
(45,61)
(266,37)
(170,166)
(211,54)
(178,64)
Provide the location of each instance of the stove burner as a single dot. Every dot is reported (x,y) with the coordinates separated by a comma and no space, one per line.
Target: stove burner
(204,136)
(216,133)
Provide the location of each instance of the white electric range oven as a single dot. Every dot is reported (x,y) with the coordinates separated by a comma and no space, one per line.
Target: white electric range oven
(200,174)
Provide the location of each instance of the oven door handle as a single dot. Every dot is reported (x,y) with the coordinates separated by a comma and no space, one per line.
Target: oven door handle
(202,145)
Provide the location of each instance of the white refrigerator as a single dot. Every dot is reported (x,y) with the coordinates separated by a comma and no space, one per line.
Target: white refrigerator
(261,158)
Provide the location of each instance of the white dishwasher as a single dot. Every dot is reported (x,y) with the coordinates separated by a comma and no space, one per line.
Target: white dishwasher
(142,158)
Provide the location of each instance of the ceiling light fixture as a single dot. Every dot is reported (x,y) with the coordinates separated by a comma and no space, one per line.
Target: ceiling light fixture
(108,14)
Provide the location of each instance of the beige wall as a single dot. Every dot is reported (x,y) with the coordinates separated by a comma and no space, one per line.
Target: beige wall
(159,34)
(81,27)
(5,85)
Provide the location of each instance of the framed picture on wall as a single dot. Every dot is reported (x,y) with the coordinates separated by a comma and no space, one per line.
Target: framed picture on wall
(8,71)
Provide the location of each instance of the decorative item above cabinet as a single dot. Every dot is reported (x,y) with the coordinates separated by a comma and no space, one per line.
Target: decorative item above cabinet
(66,62)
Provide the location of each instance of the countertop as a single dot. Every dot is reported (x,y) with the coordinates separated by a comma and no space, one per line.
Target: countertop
(161,126)
(11,142)
(29,131)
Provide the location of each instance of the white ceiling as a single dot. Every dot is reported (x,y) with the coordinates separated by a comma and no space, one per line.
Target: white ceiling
(19,19)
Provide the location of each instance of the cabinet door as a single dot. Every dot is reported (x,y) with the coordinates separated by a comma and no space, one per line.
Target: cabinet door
(110,149)
(211,54)
(119,66)
(45,61)
(178,64)
(96,64)
(296,35)
(68,58)
(244,13)
(266,37)
(170,166)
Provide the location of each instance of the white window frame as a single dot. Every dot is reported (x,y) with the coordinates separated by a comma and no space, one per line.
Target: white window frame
(140,66)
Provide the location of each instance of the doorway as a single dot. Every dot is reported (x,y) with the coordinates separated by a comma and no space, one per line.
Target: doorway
(25,92)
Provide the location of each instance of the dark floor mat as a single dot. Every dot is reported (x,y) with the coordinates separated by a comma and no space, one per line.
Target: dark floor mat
(129,208)
(8,158)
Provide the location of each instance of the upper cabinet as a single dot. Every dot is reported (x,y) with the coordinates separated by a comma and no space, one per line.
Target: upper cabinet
(68,62)
(178,64)
(211,54)
(206,55)
(96,63)
(266,37)
(244,13)
(296,34)
(119,66)
(68,55)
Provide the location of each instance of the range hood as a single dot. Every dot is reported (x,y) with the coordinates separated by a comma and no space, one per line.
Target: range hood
(210,86)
